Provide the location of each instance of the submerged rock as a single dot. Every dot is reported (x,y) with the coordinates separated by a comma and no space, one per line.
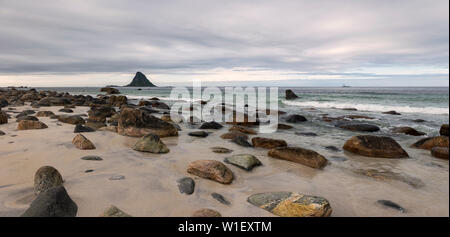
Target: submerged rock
(408,131)
(206,213)
(288,204)
(151,143)
(359,127)
(211,125)
(440,152)
(54,202)
(243,161)
(217,149)
(299,155)
(82,143)
(375,146)
(444,130)
(113,211)
(295,118)
(46,178)
(30,124)
(430,142)
(198,134)
(290,95)
(268,143)
(211,169)
(186,185)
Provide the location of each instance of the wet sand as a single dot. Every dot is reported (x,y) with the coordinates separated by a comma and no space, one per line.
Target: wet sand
(150,187)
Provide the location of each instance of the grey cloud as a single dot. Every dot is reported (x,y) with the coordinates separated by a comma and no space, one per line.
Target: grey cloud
(164,36)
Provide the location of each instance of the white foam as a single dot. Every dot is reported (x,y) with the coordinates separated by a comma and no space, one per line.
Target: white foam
(370,107)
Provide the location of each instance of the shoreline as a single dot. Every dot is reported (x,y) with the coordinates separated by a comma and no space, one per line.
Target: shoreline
(150,187)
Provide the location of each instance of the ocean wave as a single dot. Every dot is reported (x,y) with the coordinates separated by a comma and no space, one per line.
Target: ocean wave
(369,107)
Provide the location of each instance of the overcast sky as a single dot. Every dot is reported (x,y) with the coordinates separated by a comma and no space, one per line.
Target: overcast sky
(314,43)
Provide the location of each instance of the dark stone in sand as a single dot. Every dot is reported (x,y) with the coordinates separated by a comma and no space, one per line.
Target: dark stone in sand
(332,148)
(391,204)
(198,134)
(295,118)
(290,95)
(375,146)
(54,202)
(80,128)
(220,198)
(359,127)
(241,141)
(96,158)
(444,130)
(66,110)
(186,185)
(211,125)
(45,178)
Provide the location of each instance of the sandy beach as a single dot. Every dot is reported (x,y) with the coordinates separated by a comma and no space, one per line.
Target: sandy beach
(149,187)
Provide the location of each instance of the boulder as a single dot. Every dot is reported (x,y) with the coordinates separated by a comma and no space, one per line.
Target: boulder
(82,143)
(408,131)
(28,117)
(299,155)
(206,213)
(358,127)
(290,95)
(243,161)
(241,141)
(44,114)
(30,124)
(268,143)
(242,130)
(295,118)
(71,119)
(151,143)
(233,134)
(137,123)
(444,130)
(392,112)
(198,134)
(46,178)
(211,125)
(375,146)
(440,152)
(186,185)
(3,117)
(80,128)
(54,202)
(430,142)
(288,204)
(113,211)
(211,169)
(217,149)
